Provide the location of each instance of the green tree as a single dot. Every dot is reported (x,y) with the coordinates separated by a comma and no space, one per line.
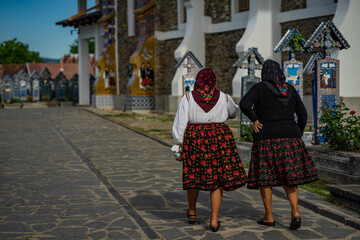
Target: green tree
(75,50)
(13,51)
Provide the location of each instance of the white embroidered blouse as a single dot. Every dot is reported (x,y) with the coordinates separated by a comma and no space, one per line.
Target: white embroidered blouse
(191,112)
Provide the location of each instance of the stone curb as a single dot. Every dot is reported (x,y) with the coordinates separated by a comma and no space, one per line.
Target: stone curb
(314,205)
(324,208)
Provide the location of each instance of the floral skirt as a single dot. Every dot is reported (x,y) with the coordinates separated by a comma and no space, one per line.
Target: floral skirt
(211,159)
(279,162)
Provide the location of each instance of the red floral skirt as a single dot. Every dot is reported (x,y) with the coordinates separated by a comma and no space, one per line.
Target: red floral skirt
(211,159)
(279,162)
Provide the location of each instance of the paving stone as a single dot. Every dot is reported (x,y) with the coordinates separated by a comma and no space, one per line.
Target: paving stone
(123,223)
(274,234)
(14,227)
(43,227)
(172,233)
(117,235)
(305,234)
(133,234)
(334,233)
(68,231)
(73,222)
(147,201)
(244,235)
(98,235)
(212,236)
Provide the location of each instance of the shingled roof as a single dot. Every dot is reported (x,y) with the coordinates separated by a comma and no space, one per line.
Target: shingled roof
(86,19)
(319,35)
(246,55)
(35,75)
(309,68)
(284,44)
(192,56)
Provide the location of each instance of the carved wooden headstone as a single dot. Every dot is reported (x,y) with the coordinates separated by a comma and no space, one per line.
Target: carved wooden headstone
(60,86)
(292,41)
(36,83)
(326,82)
(24,81)
(46,85)
(7,88)
(250,60)
(189,61)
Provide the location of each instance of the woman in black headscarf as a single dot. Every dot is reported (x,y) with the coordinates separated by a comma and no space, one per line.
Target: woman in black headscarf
(279,157)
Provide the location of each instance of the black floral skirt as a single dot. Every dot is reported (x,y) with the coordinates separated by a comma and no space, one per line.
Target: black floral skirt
(211,159)
(280,162)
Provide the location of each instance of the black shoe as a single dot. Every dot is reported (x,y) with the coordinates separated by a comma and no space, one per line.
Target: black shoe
(191,220)
(215,229)
(295,223)
(261,222)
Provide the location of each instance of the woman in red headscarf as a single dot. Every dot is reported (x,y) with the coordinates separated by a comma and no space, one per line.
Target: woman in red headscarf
(206,146)
(278,156)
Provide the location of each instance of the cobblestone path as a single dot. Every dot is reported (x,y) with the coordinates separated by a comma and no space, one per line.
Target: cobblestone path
(66,173)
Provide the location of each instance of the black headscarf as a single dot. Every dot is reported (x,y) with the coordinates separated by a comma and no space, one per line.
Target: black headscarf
(274,78)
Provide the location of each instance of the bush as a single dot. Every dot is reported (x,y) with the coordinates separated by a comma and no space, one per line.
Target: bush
(29,99)
(246,133)
(340,127)
(14,100)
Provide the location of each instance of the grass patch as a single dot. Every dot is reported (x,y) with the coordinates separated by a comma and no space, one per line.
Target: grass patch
(318,187)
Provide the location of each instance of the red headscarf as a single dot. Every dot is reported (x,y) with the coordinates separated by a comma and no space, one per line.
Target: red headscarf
(205,93)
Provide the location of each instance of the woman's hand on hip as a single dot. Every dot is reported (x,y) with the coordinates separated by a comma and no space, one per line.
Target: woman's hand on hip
(257,126)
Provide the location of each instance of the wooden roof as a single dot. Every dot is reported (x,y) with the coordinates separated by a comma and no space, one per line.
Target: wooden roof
(86,19)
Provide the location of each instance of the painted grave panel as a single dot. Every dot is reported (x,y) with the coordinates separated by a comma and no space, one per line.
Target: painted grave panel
(23,95)
(293,71)
(36,90)
(8,92)
(16,91)
(326,89)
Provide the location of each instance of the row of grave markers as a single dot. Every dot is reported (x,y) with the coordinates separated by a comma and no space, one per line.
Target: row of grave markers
(325,85)
(39,86)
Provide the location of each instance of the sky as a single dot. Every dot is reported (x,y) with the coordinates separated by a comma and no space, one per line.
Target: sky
(33,22)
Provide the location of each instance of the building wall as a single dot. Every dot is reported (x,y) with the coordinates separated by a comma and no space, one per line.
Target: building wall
(126,45)
(221,55)
(219,11)
(166,18)
(287,5)
(306,27)
(165,62)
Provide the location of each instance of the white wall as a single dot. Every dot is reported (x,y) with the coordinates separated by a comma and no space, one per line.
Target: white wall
(262,31)
(194,41)
(346,19)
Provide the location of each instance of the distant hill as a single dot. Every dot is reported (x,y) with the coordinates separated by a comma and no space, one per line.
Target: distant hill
(50,60)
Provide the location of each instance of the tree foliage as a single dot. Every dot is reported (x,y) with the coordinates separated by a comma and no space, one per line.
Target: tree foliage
(13,51)
(75,50)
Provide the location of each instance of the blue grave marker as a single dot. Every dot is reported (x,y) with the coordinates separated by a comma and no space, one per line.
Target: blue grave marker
(291,42)
(250,60)
(326,70)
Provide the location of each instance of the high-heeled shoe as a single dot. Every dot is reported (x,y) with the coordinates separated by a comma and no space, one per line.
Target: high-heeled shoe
(191,220)
(295,223)
(215,229)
